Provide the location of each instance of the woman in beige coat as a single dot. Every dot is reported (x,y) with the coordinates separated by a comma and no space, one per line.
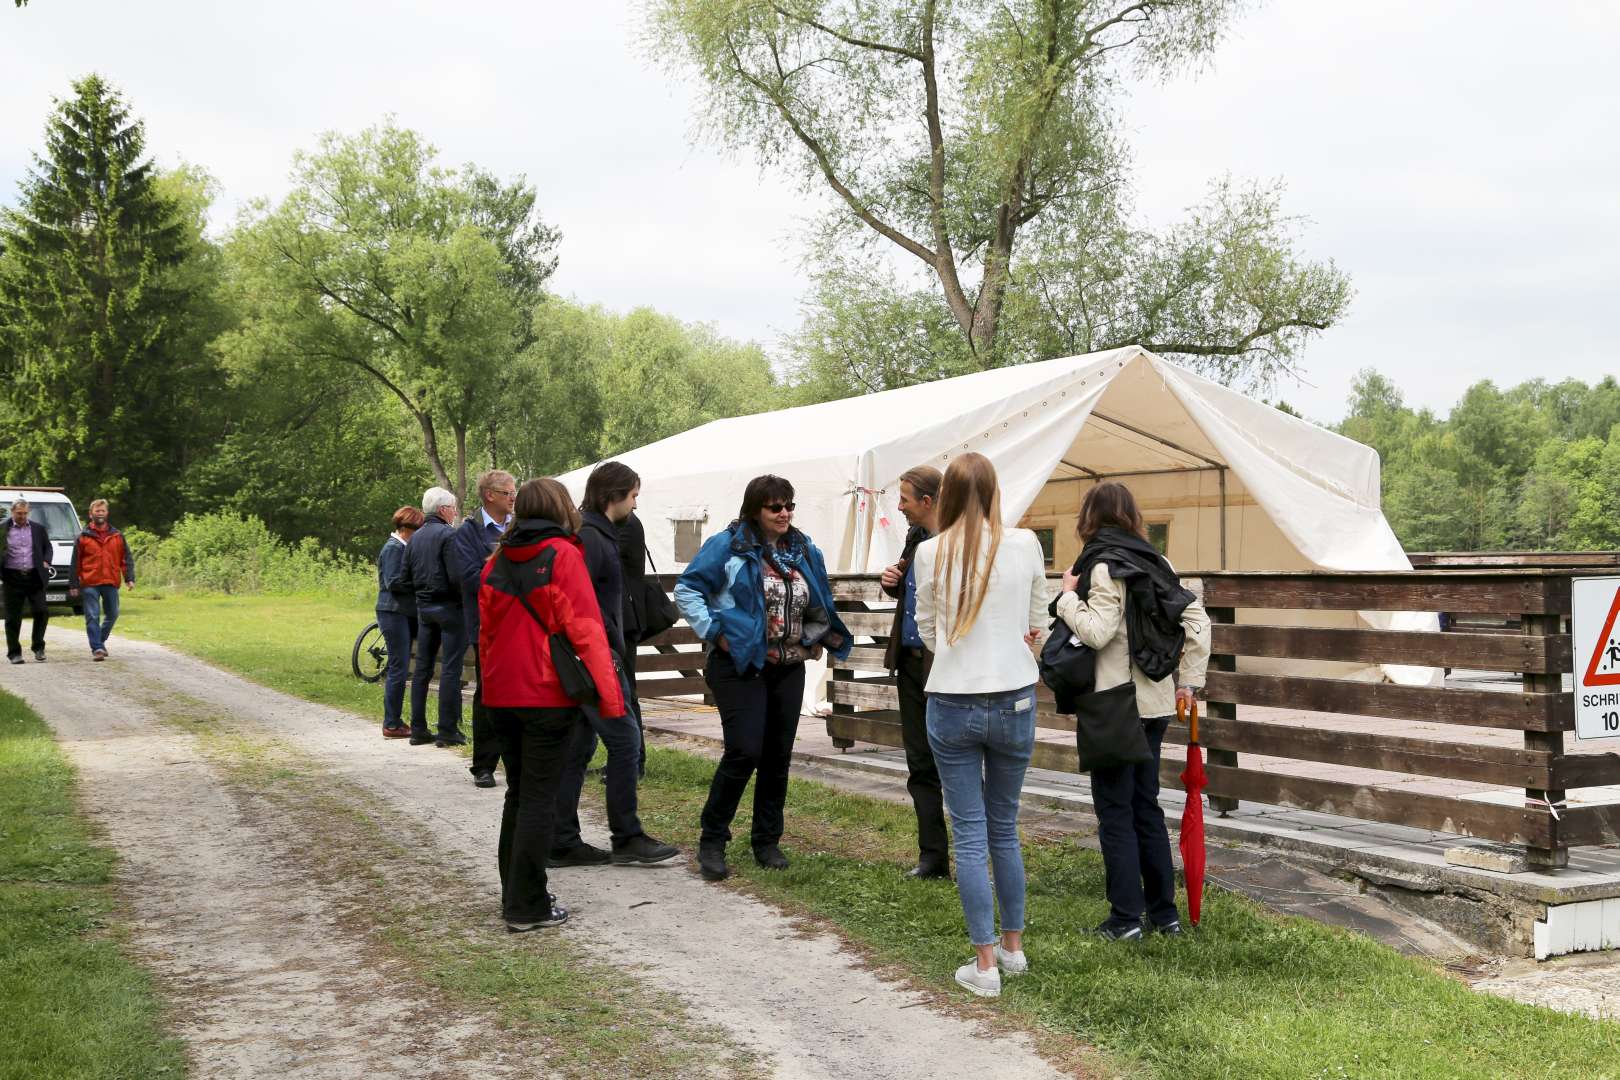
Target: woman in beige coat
(1140,876)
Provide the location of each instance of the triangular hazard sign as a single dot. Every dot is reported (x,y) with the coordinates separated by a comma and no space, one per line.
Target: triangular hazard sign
(1606,653)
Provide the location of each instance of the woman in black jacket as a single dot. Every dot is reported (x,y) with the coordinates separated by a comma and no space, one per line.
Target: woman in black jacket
(396,617)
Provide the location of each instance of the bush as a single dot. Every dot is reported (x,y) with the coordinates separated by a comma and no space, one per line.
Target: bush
(232,553)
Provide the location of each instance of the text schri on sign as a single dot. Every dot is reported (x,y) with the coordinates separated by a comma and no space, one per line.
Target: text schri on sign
(1597,657)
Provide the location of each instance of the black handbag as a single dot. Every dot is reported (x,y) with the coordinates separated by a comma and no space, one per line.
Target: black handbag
(1068,669)
(658,610)
(1108,730)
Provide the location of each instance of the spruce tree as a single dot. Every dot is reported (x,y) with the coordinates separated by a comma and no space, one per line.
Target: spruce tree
(94,313)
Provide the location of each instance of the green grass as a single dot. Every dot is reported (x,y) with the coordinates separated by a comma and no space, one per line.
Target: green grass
(1253,995)
(73,1003)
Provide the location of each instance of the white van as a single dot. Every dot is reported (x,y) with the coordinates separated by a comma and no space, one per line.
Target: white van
(54,510)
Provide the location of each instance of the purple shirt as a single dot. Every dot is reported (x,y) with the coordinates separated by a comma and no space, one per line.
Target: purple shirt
(20,547)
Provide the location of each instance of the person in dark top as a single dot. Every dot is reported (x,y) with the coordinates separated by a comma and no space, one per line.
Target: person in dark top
(470,548)
(910,662)
(396,617)
(633,564)
(610,496)
(440,626)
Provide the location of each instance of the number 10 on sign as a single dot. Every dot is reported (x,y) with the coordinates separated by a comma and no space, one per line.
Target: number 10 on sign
(1597,657)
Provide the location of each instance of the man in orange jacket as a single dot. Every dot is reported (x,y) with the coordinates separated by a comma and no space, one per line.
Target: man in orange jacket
(101,562)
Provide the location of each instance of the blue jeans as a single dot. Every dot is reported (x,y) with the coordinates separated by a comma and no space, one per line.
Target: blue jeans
(982,744)
(441,632)
(100,612)
(399,632)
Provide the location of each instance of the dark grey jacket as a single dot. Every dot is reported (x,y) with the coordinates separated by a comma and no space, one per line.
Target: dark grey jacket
(41,541)
(395,590)
(427,560)
(601,539)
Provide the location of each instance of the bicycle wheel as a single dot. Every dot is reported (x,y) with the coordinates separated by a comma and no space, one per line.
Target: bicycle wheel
(370,654)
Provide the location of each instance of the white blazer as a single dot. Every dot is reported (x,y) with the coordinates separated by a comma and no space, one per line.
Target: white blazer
(992,657)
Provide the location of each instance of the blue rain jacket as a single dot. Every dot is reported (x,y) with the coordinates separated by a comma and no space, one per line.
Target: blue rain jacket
(722,591)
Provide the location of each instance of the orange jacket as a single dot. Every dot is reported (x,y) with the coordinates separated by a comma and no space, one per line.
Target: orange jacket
(100,557)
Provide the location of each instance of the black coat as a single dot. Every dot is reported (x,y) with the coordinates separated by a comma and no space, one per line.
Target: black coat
(601,540)
(633,572)
(1154,597)
(428,560)
(394,589)
(469,549)
(41,549)
(891,655)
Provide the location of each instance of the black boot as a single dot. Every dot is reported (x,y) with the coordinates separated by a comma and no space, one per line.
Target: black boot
(712,862)
(770,857)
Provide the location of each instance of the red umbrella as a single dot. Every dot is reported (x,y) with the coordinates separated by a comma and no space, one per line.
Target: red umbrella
(1192,815)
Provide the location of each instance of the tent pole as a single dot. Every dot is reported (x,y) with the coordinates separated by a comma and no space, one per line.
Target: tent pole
(1222,475)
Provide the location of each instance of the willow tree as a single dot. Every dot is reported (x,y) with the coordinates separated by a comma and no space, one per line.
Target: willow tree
(979,142)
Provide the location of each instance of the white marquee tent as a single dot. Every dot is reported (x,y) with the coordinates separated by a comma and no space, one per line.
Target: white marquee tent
(1225,482)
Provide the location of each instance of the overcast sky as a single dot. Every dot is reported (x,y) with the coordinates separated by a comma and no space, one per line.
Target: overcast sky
(1458,159)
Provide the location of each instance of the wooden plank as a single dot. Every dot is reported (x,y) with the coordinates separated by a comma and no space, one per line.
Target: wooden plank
(672,661)
(1490,652)
(652,688)
(1585,770)
(1504,560)
(1505,765)
(866,694)
(1487,591)
(868,624)
(1478,708)
(1584,825)
(1465,817)
(862,587)
(680,634)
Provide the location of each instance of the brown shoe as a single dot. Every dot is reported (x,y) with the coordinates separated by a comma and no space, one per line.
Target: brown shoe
(401,732)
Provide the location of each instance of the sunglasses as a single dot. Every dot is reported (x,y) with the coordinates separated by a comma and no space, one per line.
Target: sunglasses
(777,508)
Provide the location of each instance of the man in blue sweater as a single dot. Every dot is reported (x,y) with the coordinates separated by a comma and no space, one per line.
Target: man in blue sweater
(470,548)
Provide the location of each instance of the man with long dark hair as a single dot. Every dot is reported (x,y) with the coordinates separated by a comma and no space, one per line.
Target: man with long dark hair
(610,496)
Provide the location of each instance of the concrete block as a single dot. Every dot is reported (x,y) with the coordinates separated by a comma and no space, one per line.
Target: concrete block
(1497,857)
(1611,923)
(1588,926)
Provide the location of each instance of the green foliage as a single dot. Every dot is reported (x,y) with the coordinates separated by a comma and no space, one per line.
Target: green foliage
(105,312)
(229,553)
(1530,467)
(985,141)
(382,263)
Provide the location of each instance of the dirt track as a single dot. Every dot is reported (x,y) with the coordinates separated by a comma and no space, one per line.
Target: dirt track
(272,977)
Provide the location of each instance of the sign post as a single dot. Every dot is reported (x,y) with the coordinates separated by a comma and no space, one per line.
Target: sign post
(1596,626)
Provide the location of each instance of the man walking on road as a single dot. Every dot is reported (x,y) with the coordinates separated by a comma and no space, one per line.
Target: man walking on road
(26,569)
(470,548)
(101,563)
(441,629)
(906,658)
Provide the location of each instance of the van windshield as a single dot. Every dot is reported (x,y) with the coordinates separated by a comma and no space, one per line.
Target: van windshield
(58,518)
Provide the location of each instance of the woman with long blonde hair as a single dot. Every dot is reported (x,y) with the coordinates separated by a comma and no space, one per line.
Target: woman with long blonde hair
(981,600)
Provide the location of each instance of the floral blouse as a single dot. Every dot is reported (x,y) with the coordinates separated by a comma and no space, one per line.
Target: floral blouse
(786,599)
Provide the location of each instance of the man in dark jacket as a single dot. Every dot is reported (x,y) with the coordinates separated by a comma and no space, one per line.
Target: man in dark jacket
(633,573)
(471,547)
(610,496)
(907,659)
(441,629)
(26,555)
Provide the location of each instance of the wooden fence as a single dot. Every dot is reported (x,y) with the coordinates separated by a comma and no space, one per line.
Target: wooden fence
(865,703)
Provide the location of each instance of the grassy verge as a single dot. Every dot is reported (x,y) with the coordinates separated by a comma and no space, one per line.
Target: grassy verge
(583,1019)
(74,1005)
(1255,995)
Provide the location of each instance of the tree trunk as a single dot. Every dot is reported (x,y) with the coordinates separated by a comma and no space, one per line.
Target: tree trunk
(461,464)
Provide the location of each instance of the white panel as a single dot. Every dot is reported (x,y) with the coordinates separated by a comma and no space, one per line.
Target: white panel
(1543,941)
(1588,926)
(1561,929)
(1611,923)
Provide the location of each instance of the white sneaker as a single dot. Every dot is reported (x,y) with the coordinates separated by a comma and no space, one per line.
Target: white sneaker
(1013,963)
(982,983)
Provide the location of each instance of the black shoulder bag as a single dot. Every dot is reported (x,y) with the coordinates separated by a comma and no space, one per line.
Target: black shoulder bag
(658,610)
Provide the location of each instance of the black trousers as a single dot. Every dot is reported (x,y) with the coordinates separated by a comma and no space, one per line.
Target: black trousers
(533,742)
(623,741)
(922,780)
(759,719)
(486,740)
(1135,843)
(629,659)
(22,588)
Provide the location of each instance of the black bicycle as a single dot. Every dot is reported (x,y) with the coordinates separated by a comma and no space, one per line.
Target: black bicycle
(370,654)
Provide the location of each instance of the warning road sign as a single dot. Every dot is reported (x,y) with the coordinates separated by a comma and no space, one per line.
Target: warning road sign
(1596,628)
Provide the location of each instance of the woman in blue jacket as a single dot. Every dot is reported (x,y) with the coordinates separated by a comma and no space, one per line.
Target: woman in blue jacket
(758,596)
(396,617)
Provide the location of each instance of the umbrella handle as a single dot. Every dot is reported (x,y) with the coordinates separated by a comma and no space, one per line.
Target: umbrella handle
(1191,719)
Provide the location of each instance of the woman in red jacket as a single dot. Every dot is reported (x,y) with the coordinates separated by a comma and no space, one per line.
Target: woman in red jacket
(536,586)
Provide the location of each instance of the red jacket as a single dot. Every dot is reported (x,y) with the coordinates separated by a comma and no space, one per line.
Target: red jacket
(514,652)
(101,557)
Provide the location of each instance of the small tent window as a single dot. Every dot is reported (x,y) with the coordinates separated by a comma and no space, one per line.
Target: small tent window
(688,538)
(1048,538)
(1159,535)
